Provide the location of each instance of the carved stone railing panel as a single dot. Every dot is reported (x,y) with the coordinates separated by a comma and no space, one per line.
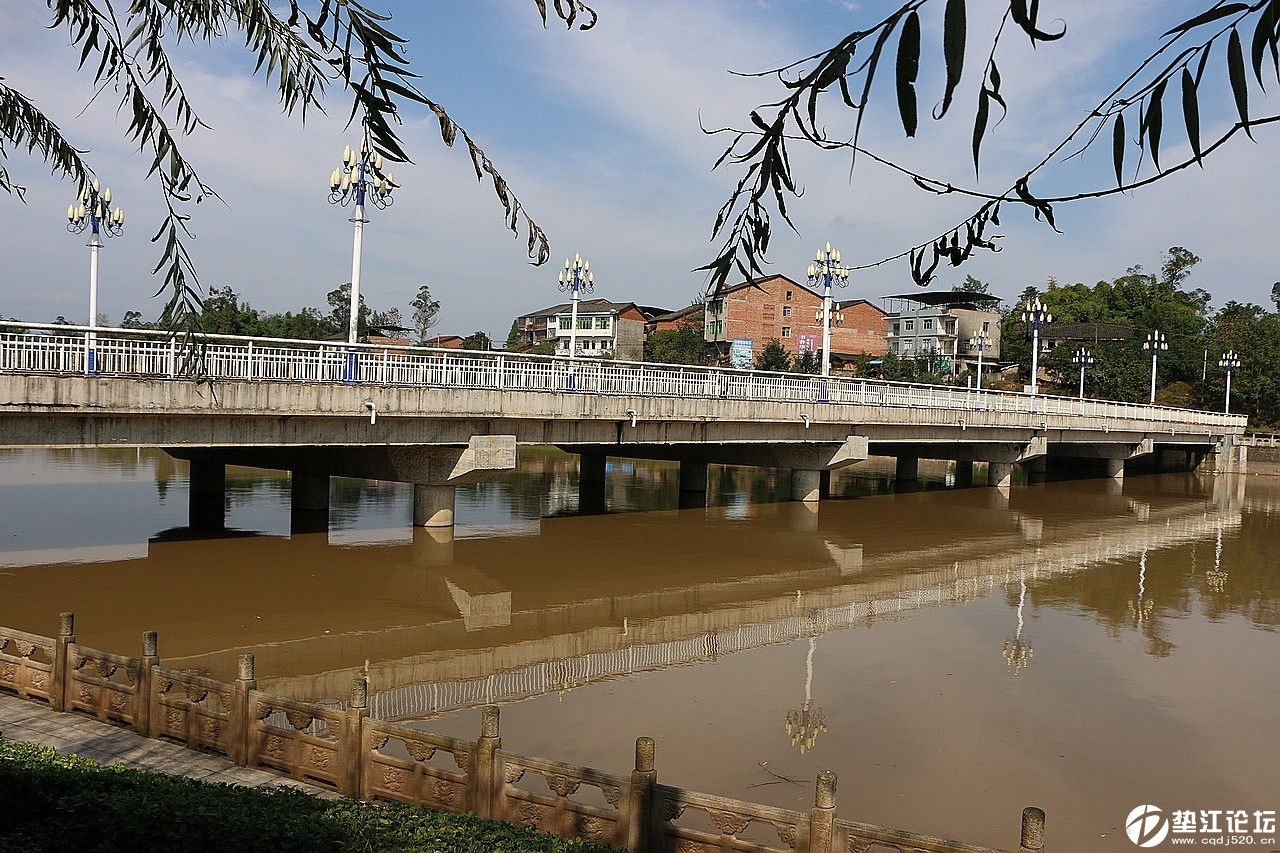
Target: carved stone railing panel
(776,830)
(26,664)
(291,748)
(556,811)
(192,709)
(868,838)
(103,684)
(395,767)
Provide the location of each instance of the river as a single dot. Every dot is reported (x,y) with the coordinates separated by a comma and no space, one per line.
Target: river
(952,654)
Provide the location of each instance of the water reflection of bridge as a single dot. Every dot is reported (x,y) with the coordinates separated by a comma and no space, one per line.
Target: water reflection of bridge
(592,639)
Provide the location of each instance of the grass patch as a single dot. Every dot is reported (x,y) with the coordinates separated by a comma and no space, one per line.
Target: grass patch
(52,802)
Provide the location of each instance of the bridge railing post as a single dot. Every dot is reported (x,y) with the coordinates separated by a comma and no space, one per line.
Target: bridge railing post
(66,637)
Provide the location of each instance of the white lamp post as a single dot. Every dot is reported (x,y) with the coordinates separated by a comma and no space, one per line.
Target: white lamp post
(826,271)
(1036,314)
(1157,343)
(980,342)
(1229,362)
(359,179)
(1082,359)
(93,210)
(576,277)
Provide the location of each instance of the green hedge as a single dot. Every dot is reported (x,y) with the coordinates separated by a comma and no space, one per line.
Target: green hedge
(52,802)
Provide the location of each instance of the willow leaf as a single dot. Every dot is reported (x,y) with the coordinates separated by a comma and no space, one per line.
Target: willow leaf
(1239,82)
(1191,112)
(954,35)
(1117,148)
(908,67)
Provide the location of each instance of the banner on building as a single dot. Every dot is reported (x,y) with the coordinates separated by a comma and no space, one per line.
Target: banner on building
(806,343)
(740,353)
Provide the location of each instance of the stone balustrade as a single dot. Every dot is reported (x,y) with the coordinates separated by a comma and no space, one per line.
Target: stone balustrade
(347,751)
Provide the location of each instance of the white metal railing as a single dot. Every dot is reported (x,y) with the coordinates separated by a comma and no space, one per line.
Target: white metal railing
(62,350)
(1259,439)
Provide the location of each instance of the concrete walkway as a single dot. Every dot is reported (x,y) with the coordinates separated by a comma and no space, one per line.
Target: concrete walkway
(33,722)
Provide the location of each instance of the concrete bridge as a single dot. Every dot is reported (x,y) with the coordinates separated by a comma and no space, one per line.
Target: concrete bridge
(441,418)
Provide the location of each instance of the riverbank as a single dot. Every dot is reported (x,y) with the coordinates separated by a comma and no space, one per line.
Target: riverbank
(56,801)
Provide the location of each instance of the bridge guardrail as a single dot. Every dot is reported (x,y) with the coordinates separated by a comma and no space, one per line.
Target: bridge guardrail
(142,353)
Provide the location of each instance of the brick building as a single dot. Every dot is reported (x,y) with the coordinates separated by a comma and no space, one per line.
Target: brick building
(777,307)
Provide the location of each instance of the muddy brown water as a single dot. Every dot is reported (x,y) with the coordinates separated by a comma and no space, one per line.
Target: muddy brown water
(952,654)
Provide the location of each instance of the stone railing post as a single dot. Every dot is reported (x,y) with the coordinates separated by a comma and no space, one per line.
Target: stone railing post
(1032,830)
(483,780)
(58,682)
(241,713)
(637,820)
(822,819)
(351,755)
(142,698)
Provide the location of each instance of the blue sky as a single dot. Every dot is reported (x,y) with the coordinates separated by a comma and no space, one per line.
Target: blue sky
(598,134)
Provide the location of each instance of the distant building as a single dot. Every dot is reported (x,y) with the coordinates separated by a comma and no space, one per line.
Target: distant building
(779,308)
(675,320)
(612,329)
(944,322)
(444,342)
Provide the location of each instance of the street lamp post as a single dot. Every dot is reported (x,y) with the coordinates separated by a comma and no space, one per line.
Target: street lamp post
(1229,362)
(575,278)
(359,179)
(1082,359)
(980,342)
(1036,314)
(93,210)
(826,271)
(1157,343)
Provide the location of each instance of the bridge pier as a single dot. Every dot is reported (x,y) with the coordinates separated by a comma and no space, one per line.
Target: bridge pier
(207,495)
(1113,468)
(591,482)
(999,474)
(693,484)
(308,502)
(805,485)
(964,473)
(432,505)
(907,469)
(1037,469)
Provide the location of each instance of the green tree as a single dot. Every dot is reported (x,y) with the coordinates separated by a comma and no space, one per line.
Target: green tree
(339,301)
(426,312)
(773,357)
(477,341)
(972,285)
(513,337)
(808,362)
(681,345)
(224,314)
(340,44)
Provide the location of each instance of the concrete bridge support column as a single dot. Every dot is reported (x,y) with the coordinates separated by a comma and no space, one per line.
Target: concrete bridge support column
(693,484)
(1037,468)
(1113,468)
(591,481)
(309,502)
(964,474)
(999,474)
(805,485)
(207,485)
(824,484)
(432,505)
(908,469)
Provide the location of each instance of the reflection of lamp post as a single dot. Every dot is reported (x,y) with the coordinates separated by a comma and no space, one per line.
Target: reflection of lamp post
(826,271)
(980,342)
(1157,343)
(1218,577)
(94,210)
(1017,652)
(805,723)
(358,179)
(1229,362)
(1082,359)
(1036,314)
(576,277)
(1142,610)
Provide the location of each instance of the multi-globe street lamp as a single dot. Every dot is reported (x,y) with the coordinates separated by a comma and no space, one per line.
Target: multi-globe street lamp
(1156,343)
(1229,362)
(826,271)
(359,179)
(576,277)
(1035,314)
(980,342)
(93,210)
(1017,652)
(1082,359)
